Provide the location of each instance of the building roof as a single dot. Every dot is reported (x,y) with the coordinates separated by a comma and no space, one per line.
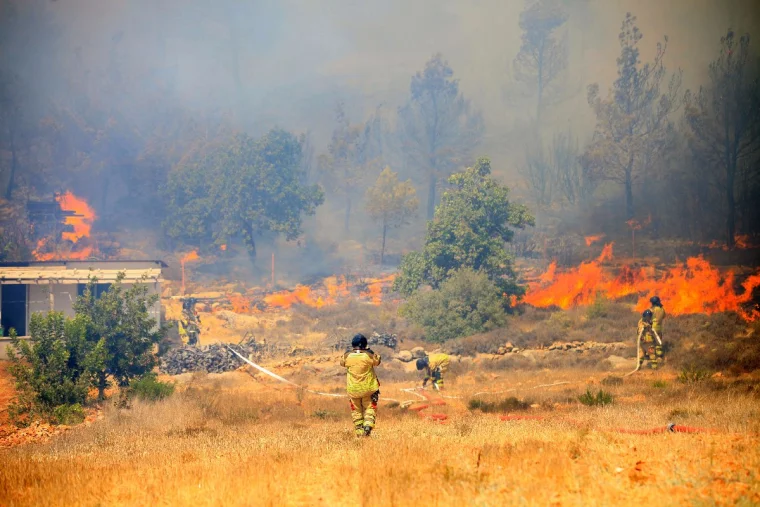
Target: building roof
(66,262)
(59,275)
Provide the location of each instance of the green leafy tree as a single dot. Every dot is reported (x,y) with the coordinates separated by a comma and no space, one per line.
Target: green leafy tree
(470,229)
(438,127)
(465,304)
(391,203)
(542,56)
(723,119)
(53,368)
(120,331)
(240,190)
(632,126)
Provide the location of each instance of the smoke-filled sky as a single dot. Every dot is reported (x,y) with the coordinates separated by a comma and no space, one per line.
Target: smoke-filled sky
(296,58)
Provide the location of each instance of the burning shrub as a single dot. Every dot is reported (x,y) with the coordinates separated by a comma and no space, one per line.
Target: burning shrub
(467,303)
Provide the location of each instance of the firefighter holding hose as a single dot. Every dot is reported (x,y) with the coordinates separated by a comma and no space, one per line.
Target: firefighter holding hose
(658,314)
(435,366)
(651,345)
(362,385)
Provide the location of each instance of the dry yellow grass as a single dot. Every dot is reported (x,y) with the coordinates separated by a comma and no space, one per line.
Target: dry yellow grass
(230,440)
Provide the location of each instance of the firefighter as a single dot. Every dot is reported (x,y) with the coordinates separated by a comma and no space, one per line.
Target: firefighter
(658,314)
(435,366)
(189,323)
(651,349)
(362,385)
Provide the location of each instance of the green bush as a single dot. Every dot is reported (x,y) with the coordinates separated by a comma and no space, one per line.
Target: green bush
(692,375)
(51,369)
(598,309)
(149,388)
(505,405)
(68,414)
(659,384)
(599,399)
(465,304)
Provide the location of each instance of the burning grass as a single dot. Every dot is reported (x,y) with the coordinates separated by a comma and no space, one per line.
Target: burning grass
(238,442)
(693,287)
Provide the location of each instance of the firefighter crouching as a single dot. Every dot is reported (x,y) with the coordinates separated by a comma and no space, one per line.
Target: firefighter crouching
(651,349)
(362,385)
(435,366)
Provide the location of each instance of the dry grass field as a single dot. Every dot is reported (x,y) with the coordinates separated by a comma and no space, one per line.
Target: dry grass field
(231,440)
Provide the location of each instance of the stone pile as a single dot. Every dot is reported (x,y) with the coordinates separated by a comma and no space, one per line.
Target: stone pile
(576,346)
(385,339)
(214,358)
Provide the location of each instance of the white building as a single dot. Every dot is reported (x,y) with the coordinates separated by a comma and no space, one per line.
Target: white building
(41,286)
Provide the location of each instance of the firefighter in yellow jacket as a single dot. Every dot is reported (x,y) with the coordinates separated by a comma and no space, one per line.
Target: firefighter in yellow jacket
(650,346)
(658,314)
(361,384)
(435,366)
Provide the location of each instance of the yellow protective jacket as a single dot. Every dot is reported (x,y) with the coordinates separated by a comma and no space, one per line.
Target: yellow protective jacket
(437,362)
(658,315)
(360,375)
(647,335)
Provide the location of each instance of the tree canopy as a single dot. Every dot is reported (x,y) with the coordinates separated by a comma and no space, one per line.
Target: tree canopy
(439,129)
(470,229)
(243,188)
(391,203)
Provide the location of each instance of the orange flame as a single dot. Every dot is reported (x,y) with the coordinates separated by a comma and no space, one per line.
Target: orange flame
(82,224)
(223,248)
(192,256)
(590,240)
(695,287)
(375,287)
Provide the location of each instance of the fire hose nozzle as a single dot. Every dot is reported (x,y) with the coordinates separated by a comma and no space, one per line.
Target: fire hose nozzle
(672,427)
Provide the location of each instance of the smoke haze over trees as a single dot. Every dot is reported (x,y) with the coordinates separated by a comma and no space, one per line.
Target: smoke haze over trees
(206,123)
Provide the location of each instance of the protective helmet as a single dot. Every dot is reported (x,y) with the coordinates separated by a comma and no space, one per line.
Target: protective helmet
(359,341)
(422,363)
(655,300)
(647,314)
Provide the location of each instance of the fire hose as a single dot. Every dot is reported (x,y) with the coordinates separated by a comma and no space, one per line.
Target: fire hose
(638,350)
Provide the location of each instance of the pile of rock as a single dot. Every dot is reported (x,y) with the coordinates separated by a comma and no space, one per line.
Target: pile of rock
(214,358)
(389,340)
(386,339)
(576,346)
(410,355)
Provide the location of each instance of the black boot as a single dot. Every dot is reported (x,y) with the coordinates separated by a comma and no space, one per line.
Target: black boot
(367,430)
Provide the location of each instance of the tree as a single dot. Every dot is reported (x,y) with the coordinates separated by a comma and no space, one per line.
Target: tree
(51,369)
(539,175)
(120,331)
(632,126)
(467,303)
(470,229)
(260,189)
(346,165)
(542,56)
(240,189)
(723,120)
(391,203)
(438,127)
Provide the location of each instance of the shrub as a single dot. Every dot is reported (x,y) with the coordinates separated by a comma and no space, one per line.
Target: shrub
(598,309)
(51,369)
(599,399)
(612,380)
(68,414)
(149,388)
(659,384)
(506,405)
(692,374)
(467,303)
